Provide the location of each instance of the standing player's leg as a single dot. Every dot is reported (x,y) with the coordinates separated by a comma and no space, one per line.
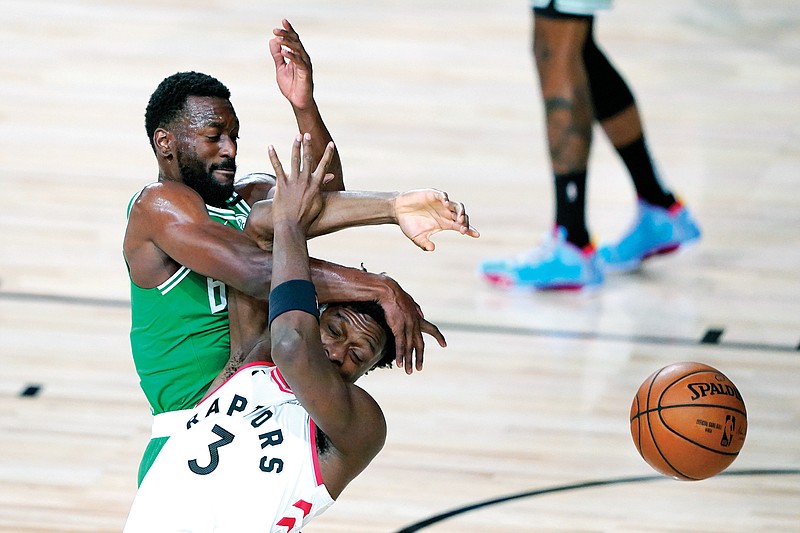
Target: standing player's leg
(557,47)
(662,224)
(567,259)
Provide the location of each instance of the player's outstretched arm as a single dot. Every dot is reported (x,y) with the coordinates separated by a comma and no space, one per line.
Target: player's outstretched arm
(420,214)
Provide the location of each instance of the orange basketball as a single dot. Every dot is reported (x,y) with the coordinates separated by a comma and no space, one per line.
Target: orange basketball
(688,421)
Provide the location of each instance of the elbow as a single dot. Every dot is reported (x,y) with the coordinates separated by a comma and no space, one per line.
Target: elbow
(254,277)
(295,340)
(256,288)
(288,344)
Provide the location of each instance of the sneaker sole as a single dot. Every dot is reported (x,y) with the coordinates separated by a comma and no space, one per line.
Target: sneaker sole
(632,264)
(498,280)
(505,282)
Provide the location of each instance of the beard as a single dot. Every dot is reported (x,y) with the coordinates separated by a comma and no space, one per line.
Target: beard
(196,176)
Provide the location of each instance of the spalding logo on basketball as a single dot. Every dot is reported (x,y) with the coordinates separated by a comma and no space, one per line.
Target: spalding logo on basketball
(688,421)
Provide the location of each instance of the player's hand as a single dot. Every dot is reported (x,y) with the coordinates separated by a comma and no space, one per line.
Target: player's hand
(298,197)
(407,322)
(292,66)
(422,213)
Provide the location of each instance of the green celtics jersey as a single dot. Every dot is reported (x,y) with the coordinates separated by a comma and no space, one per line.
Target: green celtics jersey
(180,335)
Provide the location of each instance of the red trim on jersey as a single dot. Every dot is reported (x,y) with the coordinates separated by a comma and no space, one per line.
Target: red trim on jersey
(314,454)
(243,367)
(277,377)
(303,506)
(287,521)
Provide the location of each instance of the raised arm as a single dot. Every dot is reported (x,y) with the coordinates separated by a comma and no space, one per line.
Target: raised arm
(294,76)
(349,417)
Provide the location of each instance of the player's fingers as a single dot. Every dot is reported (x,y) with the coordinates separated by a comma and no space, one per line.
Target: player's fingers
(295,170)
(462,218)
(276,163)
(424,242)
(324,162)
(288,56)
(400,348)
(408,365)
(458,209)
(419,352)
(275,52)
(294,55)
(290,38)
(433,330)
(287,26)
(415,342)
(411,342)
(308,155)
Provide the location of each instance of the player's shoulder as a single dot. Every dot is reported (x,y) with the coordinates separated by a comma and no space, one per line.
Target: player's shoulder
(255,186)
(170,191)
(165,196)
(166,188)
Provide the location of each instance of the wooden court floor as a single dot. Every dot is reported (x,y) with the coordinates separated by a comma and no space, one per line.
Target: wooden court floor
(520,424)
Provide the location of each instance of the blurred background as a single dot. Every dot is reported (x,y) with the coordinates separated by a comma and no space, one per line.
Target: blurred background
(534,388)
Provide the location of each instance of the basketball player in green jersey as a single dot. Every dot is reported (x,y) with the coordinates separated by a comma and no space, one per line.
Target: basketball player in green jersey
(183,244)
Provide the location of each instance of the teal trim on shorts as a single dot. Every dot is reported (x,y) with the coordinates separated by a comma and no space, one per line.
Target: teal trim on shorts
(149,456)
(583,8)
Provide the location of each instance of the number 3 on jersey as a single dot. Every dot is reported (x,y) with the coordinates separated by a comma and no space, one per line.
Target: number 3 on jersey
(226,437)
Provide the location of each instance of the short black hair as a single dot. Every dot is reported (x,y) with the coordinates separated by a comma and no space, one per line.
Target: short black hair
(373,310)
(169,98)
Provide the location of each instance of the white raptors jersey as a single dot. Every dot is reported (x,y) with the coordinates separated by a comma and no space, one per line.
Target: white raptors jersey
(245,460)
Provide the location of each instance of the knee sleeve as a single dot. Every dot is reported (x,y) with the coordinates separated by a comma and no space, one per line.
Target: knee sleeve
(610,93)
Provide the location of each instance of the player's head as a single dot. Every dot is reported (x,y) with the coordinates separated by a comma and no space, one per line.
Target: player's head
(193,129)
(356,337)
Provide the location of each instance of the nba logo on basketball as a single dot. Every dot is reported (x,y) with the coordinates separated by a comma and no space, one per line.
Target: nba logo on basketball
(730,426)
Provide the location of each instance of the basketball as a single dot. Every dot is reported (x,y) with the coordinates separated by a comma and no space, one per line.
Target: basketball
(688,421)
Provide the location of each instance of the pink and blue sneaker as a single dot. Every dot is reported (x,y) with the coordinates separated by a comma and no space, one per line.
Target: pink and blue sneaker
(656,231)
(556,264)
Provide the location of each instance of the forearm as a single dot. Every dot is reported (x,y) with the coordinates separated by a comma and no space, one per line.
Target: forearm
(334,283)
(343,209)
(295,342)
(337,283)
(290,258)
(347,209)
(309,120)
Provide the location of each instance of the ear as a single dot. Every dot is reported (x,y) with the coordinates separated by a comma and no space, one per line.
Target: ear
(163,141)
